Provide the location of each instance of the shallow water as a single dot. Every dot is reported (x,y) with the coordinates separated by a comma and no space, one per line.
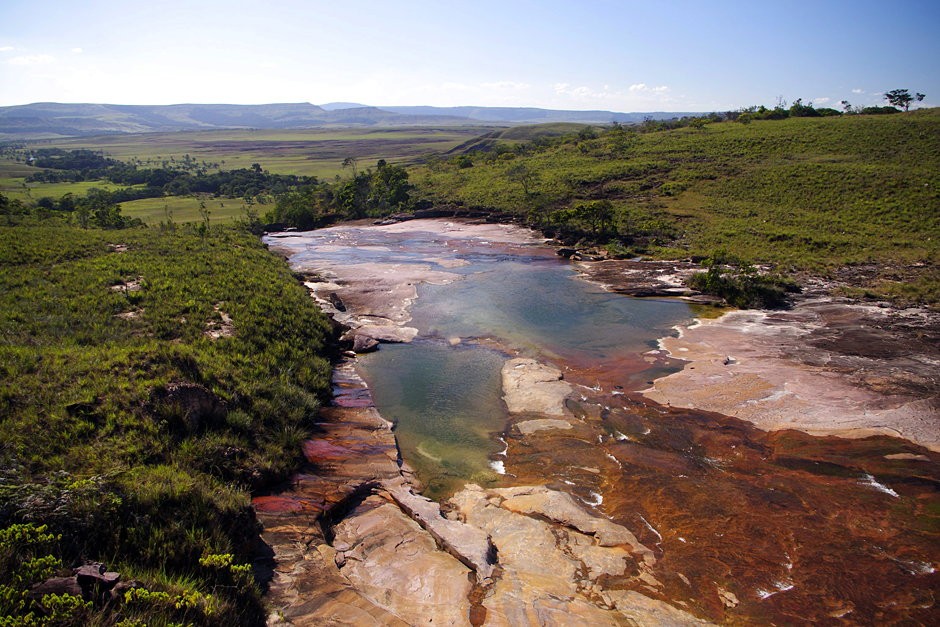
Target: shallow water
(748,527)
(443,390)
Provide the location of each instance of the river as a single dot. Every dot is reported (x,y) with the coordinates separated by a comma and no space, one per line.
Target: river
(745,525)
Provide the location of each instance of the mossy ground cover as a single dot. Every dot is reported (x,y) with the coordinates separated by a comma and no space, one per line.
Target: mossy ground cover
(95,328)
(815,195)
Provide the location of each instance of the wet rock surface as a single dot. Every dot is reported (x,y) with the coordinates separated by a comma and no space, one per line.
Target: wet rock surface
(352,543)
(641,278)
(614,509)
(823,367)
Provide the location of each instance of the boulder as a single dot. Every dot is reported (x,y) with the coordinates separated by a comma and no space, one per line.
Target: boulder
(364,343)
(532,387)
(336,301)
(190,405)
(56,585)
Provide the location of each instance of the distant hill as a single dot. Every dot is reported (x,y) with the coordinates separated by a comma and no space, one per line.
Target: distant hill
(51,120)
(333,106)
(532,115)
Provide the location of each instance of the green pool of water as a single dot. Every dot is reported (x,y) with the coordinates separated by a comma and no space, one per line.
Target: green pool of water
(445,398)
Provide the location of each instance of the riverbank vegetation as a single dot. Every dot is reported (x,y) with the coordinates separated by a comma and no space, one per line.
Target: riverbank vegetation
(151,379)
(850,197)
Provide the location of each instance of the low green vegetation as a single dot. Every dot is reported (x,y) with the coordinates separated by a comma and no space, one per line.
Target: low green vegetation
(822,195)
(187,190)
(150,379)
(303,152)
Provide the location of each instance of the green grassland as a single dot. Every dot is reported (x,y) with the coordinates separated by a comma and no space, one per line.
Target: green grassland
(153,211)
(96,327)
(813,195)
(313,152)
(19,188)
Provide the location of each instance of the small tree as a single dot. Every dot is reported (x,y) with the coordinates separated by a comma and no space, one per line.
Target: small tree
(353,163)
(597,215)
(520,173)
(902,98)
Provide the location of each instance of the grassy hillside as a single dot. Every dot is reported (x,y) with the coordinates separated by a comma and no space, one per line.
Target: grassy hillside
(150,380)
(814,195)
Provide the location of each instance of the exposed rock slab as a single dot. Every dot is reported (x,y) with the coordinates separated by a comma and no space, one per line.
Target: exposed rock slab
(393,562)
(640,278)
(528,427)
(470,545)
(533,387)
(561,508)
(823,368)
(552,572)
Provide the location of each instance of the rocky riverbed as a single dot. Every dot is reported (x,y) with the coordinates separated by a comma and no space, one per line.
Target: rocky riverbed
(611,507)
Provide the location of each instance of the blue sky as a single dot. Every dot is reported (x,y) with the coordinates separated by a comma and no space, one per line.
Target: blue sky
(591,54)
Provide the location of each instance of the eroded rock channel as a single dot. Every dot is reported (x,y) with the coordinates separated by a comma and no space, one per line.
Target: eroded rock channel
(563,495)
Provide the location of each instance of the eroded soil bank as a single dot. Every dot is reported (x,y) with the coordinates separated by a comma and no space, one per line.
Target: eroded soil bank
(615,509)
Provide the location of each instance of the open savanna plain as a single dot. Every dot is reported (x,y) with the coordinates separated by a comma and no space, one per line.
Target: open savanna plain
(319,153)
(316,152)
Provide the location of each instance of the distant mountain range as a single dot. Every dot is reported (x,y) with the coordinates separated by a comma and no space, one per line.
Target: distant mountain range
(51,119)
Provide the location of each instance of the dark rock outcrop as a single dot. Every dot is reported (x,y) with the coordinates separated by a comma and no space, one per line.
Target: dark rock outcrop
(189,406)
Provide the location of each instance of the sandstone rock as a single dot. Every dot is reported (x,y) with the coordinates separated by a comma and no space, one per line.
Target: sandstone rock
(643,610)
(468,544)
(364,344)
(336,301)
(56,585)
(555,561)
(396,564)
(529,427)
(387,333)
(529,386)
(562,508)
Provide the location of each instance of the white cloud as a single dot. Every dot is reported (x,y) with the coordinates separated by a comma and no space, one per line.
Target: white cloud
(819,101)
(858,91)
(643,87)
(636,97)
(6,48)
(32,59)
(77,50)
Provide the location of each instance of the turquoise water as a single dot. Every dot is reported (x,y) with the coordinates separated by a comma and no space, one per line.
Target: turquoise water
(446,402)
(443,391)
(542,308)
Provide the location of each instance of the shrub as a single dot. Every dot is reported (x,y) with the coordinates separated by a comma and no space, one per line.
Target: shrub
(740,285)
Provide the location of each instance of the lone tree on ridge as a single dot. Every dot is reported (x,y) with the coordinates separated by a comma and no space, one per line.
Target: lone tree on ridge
(902,98)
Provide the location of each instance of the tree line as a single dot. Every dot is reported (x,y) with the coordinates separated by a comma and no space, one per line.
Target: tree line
(299,201)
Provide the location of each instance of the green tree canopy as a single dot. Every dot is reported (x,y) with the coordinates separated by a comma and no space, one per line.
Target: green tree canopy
(902,98)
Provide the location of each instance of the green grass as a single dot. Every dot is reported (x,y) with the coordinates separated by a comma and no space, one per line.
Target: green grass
(804,195)
(182,209)
(95,326)
(19,188)
(312,152)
